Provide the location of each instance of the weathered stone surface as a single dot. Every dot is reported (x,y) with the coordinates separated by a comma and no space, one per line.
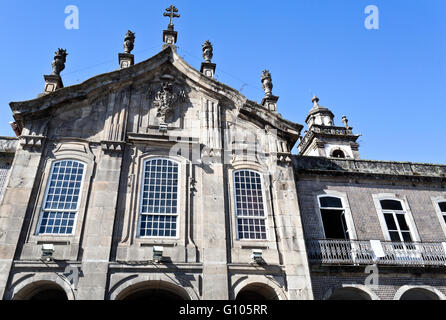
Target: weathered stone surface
(163,109)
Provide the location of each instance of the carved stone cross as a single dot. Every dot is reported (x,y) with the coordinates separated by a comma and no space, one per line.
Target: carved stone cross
(171,13)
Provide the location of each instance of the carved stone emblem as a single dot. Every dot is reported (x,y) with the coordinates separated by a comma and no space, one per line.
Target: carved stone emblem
(165,98)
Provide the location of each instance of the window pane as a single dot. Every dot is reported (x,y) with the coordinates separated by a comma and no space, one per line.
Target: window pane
(402,222)
(344,225)
(159,199)
(251,229)
(391,225)
(249,204)
(391,205)
(162,226)
(406,236)
(60,190)
(330,202)
(442,206)
(394,236)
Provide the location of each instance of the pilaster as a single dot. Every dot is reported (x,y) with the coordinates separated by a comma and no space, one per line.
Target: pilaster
(14,207)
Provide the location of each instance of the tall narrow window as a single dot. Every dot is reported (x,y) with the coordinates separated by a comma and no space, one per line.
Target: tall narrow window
(159,200)
(396,222)
(442,206)
(249,206)
(61,198)
(333,218)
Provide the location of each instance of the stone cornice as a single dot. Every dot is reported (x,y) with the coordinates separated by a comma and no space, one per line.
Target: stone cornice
(253,111)
(392,170)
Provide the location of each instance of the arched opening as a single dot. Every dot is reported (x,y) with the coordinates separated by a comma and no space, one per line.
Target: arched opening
(42,290)
(338,153)
(153,291)
(349,294)
(257,291)
(419,294)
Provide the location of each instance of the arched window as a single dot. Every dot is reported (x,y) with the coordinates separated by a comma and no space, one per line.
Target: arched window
(396,221)
(442,205)
(338,153)
(249,205)
(62,198)
(333,218)
(159,199)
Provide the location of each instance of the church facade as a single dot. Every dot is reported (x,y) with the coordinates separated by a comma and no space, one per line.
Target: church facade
(155,181)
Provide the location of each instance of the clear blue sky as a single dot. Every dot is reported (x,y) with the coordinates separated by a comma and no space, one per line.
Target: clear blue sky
(391,82)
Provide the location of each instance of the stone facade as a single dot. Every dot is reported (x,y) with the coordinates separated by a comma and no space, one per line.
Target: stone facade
(112,124)
(361,183)
(162,109)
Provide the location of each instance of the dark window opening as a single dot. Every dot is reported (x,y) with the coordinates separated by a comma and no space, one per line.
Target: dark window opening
(442,206)
(391,205)
(335,226)
(330,202)
(338,154)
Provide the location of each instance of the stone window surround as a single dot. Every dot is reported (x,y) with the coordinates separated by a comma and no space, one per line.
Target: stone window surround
(47,187)
(264,217)
(88,161)
(435,202)
(265,180)
(345,205)
(408,214)
(181,201)
(141,190)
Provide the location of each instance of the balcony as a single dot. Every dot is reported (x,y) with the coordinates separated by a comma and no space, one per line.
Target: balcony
(360,252)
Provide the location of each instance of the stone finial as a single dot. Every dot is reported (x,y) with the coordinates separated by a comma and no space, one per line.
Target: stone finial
(59,61)
(53,81)
(207,51)
(269,101)
(170,35)
(267,83)
(315,101)
(171,14)
(207,67)
(345,121)
(129,41)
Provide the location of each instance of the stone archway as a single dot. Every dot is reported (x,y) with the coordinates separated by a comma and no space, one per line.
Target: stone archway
(418,293)
(41,290)
(349,293)
(256,291)
(153,291)
(257,287)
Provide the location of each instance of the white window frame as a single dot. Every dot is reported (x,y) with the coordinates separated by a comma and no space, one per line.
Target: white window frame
(178,215)
(377,198)
(436,203)
(265,210)
(345,206)
(76,211)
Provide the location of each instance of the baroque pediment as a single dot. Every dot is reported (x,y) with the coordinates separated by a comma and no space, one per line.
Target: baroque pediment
(160,86)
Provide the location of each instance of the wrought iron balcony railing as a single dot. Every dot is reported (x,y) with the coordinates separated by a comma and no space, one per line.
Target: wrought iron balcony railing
(360,252)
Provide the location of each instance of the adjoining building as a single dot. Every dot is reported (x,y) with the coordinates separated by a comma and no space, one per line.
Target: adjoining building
(155,181)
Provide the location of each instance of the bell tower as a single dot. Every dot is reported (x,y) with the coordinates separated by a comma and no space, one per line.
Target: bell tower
(324,139)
